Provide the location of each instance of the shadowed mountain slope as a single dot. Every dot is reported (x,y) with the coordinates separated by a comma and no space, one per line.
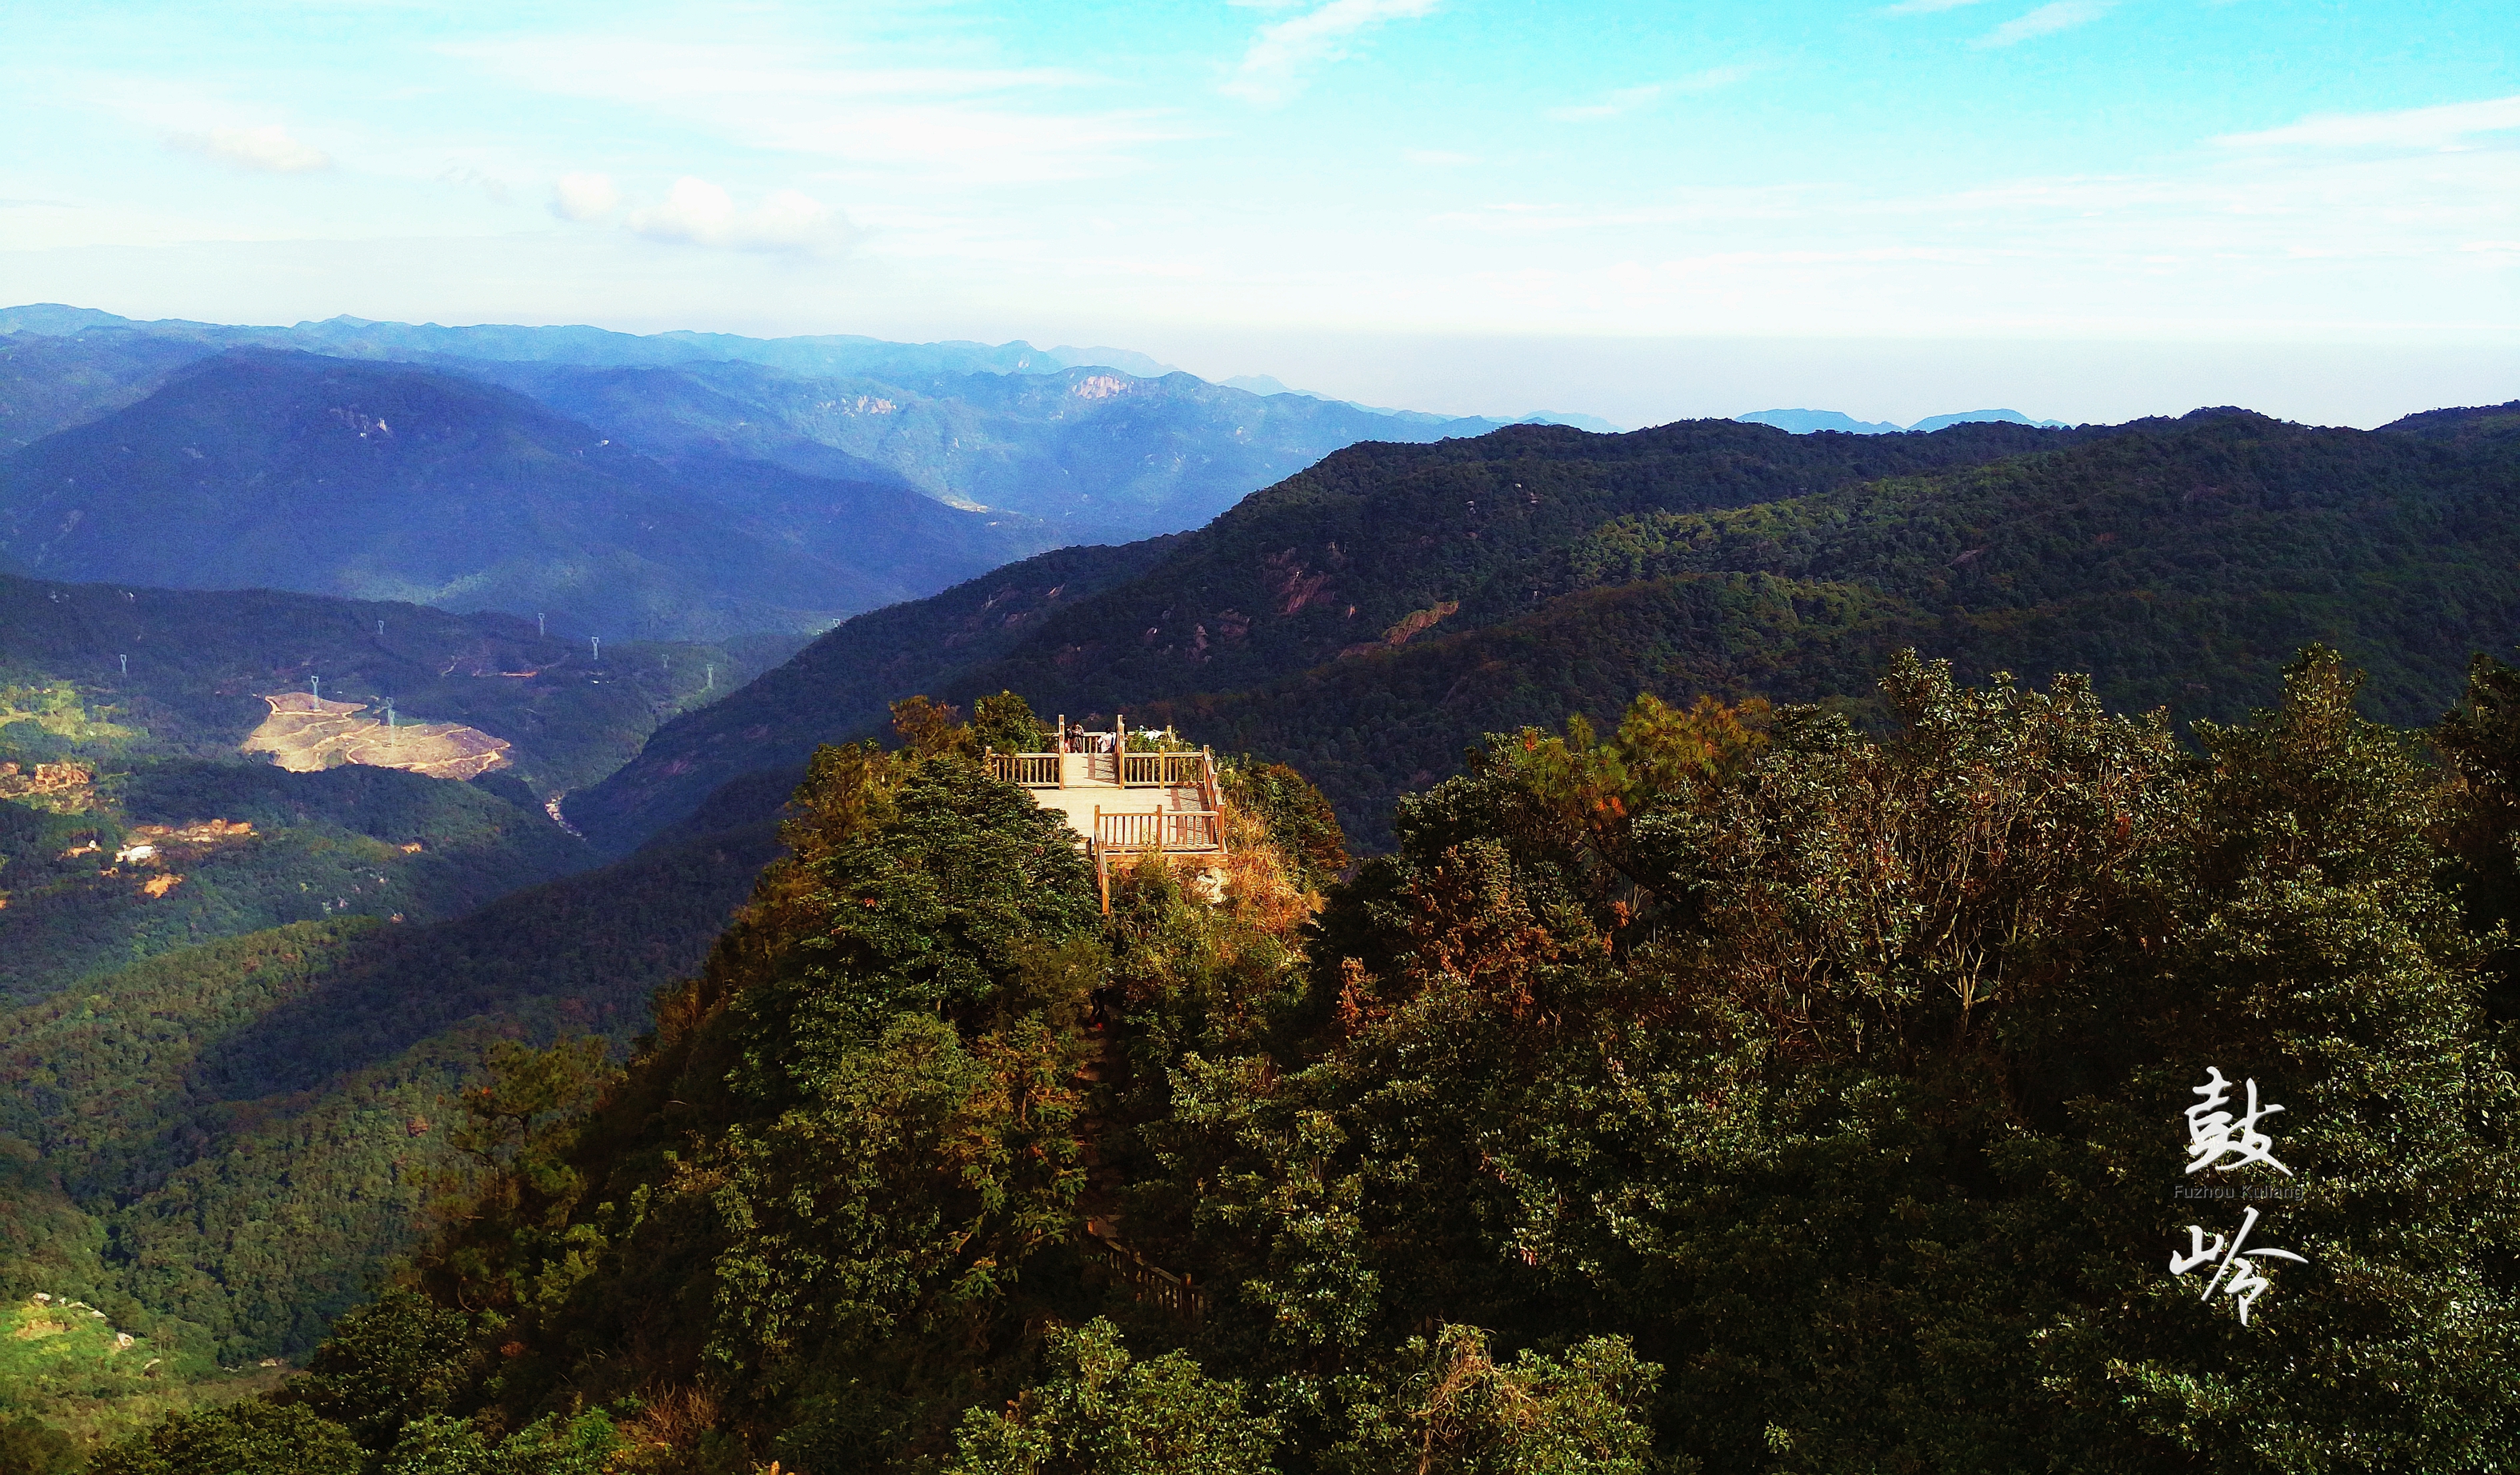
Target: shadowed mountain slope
(841,684)
(288,471)
(1538,572)
(1361,551)
(52,384)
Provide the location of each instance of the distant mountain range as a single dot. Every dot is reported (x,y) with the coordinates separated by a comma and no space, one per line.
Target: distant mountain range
(255,468)
(1805,421)
(669,486)
(1100,442)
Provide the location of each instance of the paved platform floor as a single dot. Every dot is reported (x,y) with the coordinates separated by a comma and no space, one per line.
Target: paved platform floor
(1077,803)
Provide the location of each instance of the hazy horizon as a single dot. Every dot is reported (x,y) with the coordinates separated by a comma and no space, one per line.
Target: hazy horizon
(2083,210)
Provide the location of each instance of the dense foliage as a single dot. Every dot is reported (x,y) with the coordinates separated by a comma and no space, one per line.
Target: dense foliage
(1367,620)
(225,1147)
(346,842)
(1729,1091)
(1364,550)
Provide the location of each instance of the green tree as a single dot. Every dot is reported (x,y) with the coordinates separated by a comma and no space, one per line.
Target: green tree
(437,1445)
(1100,1412)
(30,1446)
(1297,815)
(931,729)
(1455,1410)
(2479,741)
(250,1437)
(1005,723)
(400,1357)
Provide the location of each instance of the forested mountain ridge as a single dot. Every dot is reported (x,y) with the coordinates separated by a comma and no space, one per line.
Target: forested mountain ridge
(1347,553)
(1730,1090)
(52,384)
(1361,550)
(256,468)
(2177,565)
(1519,576)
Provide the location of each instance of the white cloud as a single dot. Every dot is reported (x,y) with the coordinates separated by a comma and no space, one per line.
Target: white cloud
(1925,6)
(1632,99)
(1283,56)
(2440,127)
(466,176)
(584,197)
(261,150)
(1437,158)
(698,213)
(2045,20)
(944,124)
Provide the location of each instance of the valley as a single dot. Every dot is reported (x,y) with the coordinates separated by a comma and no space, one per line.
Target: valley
(305,734)
(261,946)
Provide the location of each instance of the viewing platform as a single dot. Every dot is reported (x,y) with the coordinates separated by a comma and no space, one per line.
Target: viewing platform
(1122,803)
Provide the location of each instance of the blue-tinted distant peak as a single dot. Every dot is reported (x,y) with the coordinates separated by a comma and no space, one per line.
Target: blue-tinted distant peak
(1259,383)
(1126,360)
(1805,421)
(1593,422)
(1973,417)
(55,319)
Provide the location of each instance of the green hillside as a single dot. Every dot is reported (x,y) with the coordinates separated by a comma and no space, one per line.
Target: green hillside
(2178,563)
(227,1145)
(52,384)
(1729,1090)
(72,1378)
(236,849)
(126,672)
(1536,572)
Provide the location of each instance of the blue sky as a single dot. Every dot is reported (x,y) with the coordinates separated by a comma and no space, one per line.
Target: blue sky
(2092,207)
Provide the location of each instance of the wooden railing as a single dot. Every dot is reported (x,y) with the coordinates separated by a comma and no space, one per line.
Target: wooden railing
(1149,1284)
(1166,830)
(1174,770)
(1030,770)
(1163,770)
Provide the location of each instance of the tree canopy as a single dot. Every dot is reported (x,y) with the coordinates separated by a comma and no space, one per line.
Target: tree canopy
(1727,1090)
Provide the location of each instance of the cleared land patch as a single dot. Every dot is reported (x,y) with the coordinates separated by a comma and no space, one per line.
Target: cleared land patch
(307,734)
